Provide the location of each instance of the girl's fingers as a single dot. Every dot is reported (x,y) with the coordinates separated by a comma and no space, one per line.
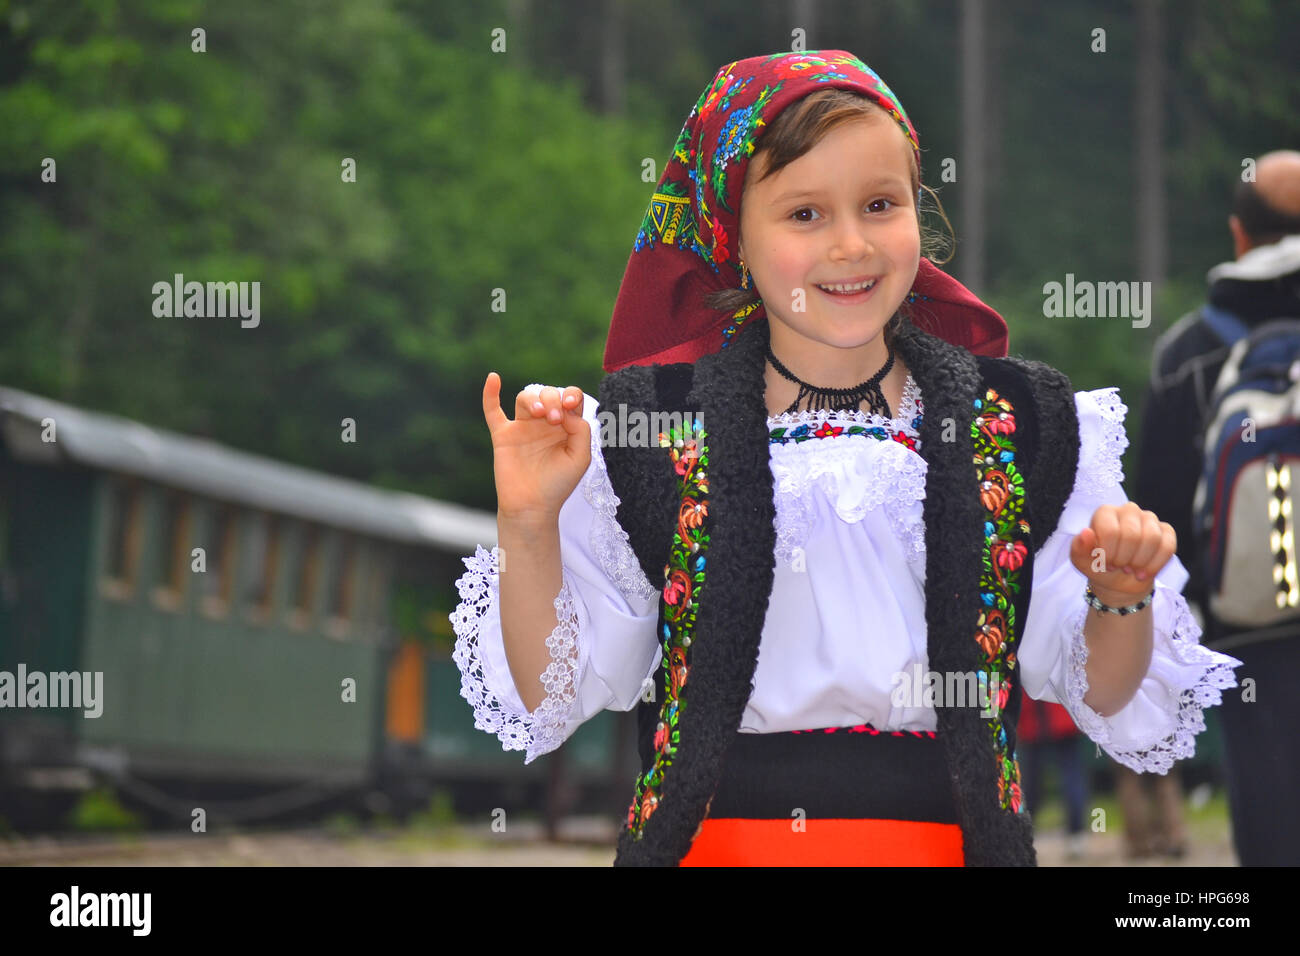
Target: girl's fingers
(492,411)
(550,402)
(1169,543)
(570,407)
(573,399)
(1119,531)
(1130,540)
(1149,543)
(547,403)
(553,403)
(1105,529)
(579,436)
(526,403)
(1166,548)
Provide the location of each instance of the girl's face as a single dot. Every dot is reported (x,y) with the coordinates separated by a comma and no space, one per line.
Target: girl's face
(843,213)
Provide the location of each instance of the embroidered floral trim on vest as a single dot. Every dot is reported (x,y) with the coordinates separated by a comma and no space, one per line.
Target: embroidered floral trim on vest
(1002,493)
(683,583)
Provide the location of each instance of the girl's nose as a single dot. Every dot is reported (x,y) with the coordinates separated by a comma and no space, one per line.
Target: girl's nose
(851,244)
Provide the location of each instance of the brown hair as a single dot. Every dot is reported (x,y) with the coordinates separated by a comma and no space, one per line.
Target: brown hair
(797,130)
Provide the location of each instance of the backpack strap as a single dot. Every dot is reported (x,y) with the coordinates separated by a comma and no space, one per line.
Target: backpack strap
(1228,327)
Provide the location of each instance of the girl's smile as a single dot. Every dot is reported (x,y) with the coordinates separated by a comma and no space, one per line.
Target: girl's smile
(850,291)
(833,244)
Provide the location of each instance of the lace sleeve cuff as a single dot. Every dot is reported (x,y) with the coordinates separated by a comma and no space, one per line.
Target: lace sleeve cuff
(607,540)
(1159,725)
(485,676)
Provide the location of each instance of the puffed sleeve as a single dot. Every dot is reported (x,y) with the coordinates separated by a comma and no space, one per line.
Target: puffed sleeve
(1159,725)
(604,649)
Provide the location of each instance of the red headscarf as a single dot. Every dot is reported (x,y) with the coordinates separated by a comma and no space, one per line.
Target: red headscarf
(685,248)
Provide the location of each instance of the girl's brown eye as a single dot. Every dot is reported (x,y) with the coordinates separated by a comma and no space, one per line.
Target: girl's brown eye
(877,202)
(795,214)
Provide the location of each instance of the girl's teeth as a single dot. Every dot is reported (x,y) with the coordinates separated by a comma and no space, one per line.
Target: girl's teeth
(846,289)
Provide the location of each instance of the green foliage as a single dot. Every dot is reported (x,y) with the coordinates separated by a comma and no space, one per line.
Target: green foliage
(480,171)
(376,296)
(439,815)
(340,825)
(100,810)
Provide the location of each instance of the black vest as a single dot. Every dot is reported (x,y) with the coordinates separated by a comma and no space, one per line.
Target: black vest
(726,393)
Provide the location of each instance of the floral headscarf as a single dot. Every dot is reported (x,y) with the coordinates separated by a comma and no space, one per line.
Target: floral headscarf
(685,248)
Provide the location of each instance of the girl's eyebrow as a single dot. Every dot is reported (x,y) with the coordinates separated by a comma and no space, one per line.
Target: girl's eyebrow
(804,193)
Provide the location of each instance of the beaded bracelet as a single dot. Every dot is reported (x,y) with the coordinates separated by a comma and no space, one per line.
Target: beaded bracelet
(1095,601)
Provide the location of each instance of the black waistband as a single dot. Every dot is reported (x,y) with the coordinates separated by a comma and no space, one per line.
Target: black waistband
(840,775)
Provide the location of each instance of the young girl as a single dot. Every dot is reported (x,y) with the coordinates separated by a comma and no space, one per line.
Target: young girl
(817,528)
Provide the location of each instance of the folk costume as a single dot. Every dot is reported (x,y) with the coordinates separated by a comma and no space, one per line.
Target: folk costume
(777,594)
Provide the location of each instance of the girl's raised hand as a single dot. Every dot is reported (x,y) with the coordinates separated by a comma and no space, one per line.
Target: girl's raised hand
(540,457)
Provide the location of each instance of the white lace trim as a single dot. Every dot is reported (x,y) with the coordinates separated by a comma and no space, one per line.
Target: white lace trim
(855,477)
(609,541)
(543,730)
(909,408)
(1185,712)
(1100,472)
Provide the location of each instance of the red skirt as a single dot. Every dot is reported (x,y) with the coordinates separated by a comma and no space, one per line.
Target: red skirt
(844,796)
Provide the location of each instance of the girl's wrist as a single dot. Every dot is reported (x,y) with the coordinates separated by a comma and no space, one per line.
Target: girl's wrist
(528,525)
(1118,602)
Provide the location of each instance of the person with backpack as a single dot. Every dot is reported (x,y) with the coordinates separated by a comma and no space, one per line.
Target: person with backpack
(1217,459)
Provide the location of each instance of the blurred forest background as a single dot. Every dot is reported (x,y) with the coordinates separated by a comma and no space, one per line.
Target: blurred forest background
(521,170)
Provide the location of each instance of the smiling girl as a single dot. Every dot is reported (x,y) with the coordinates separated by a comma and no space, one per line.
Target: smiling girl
(867,491)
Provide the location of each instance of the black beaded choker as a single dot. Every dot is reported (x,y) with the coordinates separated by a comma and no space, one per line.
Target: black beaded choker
(838,399)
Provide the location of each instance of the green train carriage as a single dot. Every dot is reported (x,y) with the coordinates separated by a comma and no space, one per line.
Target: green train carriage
(226,598)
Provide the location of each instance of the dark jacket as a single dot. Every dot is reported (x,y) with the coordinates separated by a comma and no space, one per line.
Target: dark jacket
(964,604)
(1264,284)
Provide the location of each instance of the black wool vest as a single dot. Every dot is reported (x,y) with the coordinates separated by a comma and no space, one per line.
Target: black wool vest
(1001,443)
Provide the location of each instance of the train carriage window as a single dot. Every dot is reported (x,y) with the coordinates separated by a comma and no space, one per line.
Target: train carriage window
(342,585)
(122,538)
(378,585)
(215,582)
(261,555)
(344,579)
(172,551)
(304,585)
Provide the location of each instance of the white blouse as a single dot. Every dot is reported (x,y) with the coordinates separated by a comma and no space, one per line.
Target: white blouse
(850,552)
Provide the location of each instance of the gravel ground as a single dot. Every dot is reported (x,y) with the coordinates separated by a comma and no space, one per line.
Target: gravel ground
(464,846)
